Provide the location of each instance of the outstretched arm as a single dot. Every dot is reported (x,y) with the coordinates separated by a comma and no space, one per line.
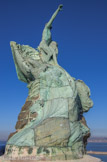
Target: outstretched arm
(53,16)
(46,35)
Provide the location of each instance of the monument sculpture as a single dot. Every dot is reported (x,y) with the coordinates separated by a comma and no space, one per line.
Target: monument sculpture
(51,124)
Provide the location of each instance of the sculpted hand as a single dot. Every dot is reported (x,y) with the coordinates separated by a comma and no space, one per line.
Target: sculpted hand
(60,7)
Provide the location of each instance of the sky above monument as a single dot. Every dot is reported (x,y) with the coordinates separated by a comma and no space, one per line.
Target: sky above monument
(80,30)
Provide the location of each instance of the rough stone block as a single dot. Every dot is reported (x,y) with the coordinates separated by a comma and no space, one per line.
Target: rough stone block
(21,123)
(52,132)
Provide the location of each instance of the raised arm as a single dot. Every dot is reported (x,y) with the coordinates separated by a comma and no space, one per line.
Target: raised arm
(54,15)
(46,35)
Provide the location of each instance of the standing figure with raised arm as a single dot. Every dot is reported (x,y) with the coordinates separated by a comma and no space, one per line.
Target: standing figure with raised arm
(47,47)
(51,125)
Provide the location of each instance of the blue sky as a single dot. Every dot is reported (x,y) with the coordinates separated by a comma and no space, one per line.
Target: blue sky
(81,33)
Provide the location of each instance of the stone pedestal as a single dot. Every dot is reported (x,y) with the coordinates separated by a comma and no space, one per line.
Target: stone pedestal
(86,158)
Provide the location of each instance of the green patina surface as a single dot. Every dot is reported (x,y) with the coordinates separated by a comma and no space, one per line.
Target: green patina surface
(23,138)
(54,96)
(60,96)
